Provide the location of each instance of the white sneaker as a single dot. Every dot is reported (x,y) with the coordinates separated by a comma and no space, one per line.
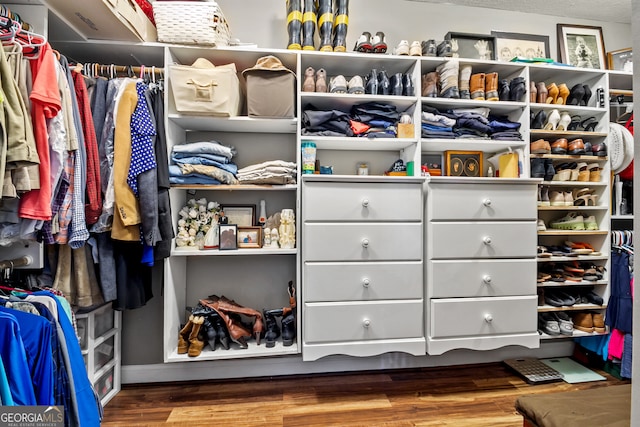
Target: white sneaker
(541,226)
(338,84)
(415,49)
(356,85)
(402,48)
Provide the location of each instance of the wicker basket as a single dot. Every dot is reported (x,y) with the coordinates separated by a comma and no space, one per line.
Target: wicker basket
(191,22)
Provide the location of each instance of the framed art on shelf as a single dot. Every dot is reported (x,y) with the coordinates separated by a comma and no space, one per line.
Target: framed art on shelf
(621,60)
(249,237)
(581,46)
(473,46)
(512,45)
(228,239)
(463,163)
(241,215)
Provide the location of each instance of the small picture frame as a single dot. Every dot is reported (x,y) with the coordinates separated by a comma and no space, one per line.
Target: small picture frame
(240,215)
(463,163)
(621,60)
(581,46)
(228,237)
(249,237)
(473,46)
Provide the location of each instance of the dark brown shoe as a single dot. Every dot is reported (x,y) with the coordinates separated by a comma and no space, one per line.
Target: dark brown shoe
(583,322)
(559,146)
(430,84)
(575,147)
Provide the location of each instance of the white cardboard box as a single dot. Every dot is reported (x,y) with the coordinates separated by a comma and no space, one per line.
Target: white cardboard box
(105,19)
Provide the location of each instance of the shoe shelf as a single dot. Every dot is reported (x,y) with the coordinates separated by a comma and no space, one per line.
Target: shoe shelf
(355,63)
(559,232)
(497,107)
(487,145)
(575,184)
(344,101)
(234,124)
(236,352)
(353,143)
(542,133)
(194,251)
(570,283)
(575,307)
(571,109)
(573,208)
(576,334)
(573,258)
(240,187)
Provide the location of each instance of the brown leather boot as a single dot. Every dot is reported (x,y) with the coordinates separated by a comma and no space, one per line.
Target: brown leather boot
(231,306)
(598,323)
(183,336)
(430,84)
(196,343)
(476,86)
(237,332)
(491,87)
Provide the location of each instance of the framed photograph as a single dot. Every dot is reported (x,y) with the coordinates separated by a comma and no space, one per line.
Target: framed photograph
(581,46)
(228,237)
(620,60)
(463,163)
(249,237)
(474,46)
(511,45)
(241,215)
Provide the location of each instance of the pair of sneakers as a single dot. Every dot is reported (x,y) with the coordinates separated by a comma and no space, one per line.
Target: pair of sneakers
(367,43)
(404,48)
(339,84)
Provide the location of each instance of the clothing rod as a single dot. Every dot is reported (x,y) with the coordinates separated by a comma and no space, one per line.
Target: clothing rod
(108,68)
(18,262)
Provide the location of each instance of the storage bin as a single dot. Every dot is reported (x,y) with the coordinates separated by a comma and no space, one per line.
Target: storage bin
(191,22)
(270,89)
(103,354)
(203,88)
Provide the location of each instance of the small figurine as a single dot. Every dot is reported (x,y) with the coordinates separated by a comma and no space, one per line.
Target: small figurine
(267,238)
(223,218)
(274,238)
(287,229)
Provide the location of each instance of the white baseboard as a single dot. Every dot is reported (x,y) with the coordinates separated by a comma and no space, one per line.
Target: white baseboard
(293,365)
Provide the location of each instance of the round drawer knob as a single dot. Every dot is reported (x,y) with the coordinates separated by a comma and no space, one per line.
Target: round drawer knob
(488,318)
(365,243)
(365,203)
(366,323)
(366,282)
(486,202)
(487,279)
(487,240)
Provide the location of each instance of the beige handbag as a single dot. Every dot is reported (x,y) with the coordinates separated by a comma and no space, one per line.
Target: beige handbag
(203,88)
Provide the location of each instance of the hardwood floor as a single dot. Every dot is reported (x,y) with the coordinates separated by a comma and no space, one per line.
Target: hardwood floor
(461,396)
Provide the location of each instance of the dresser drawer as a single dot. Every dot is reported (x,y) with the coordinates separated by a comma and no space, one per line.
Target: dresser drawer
(330,322)
(464,317)
(363,242)
(361,281)
(481,278)
(515,239)
(354,201)
(450,202)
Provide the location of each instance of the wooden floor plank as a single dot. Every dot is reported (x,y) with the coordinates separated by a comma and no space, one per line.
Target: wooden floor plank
(469,396)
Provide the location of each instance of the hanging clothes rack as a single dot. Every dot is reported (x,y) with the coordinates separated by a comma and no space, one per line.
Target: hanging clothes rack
(93,69)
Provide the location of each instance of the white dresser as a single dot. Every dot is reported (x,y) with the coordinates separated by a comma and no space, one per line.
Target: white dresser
(362,256)
(481,263)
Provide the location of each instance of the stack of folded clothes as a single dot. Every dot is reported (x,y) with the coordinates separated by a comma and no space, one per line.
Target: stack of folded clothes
(270,172)
(204,163)
(368,120)
(503,129)
(436,125)
(379,118)
(468,123)
(471,123)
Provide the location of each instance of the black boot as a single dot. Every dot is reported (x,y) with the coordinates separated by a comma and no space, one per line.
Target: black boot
(325,25)
(371,86)
(396,84)
(272,329)
(210,333)
(340,25)
(222,334)
(309,25)
(384,86)
(288,329)
(517,89)
(408,89)
(503,90)
(294,24)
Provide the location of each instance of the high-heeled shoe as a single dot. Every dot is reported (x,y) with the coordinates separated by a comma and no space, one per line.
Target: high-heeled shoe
(542,92)
(552,94)
(594,172)
(371,85)
(587,96)
(584,197)
(539,120)
(563,93)
(552,120)
(565,120)
(589,124)
(575,122)
(575,94)
(533,92)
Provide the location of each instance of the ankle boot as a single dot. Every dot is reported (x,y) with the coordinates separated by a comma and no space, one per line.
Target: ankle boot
(288,329)
(517,89)
(294,24)
(476,85)
(542,92)
(575,95)
(407,85)
(325,25)
(272,329)
(196,343)
(340,25)
(448,74)
(210,332)
(465,76)
(371,86)
(430,83)
(309,25)
(309,84)
(183,336)
(491,87)
(321,80)
(533,92)
(503,90)
(587,96)
(396,84)
(384,86)
(222,334)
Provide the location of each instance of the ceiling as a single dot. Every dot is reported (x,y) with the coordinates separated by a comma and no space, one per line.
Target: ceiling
(597,10)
